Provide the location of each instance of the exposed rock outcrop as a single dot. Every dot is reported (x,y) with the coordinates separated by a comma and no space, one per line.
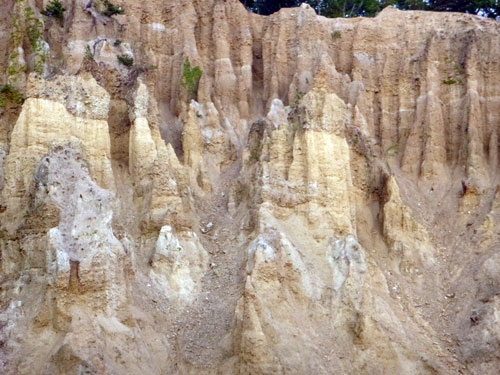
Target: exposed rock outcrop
(326,202)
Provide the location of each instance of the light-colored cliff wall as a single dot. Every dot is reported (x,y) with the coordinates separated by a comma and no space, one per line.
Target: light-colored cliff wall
(327,202)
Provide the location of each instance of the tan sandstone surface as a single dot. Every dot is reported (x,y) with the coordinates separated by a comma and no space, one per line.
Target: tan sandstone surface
(327,203)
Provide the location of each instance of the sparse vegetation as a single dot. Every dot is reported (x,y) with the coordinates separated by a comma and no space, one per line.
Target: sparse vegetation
(392,150)
(14,67)
(143,68)
(254,155)
(126,60)
(54,9)
(137,70)
(117,42)
(34,31)
(298,97)
(191,77)
(336,34)
(11,70)
(88,53)
(9,93)
(454,71)
(16,36)
(34,28)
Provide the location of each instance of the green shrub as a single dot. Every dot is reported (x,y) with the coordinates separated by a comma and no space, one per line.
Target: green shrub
(117,42)
(450,81)
(125,60)
(191,77)
(111,9)
(54,9)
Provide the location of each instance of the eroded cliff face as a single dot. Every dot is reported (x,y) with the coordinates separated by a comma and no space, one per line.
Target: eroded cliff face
(329,203)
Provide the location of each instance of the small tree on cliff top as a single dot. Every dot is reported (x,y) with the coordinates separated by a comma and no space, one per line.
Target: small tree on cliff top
(369,8)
